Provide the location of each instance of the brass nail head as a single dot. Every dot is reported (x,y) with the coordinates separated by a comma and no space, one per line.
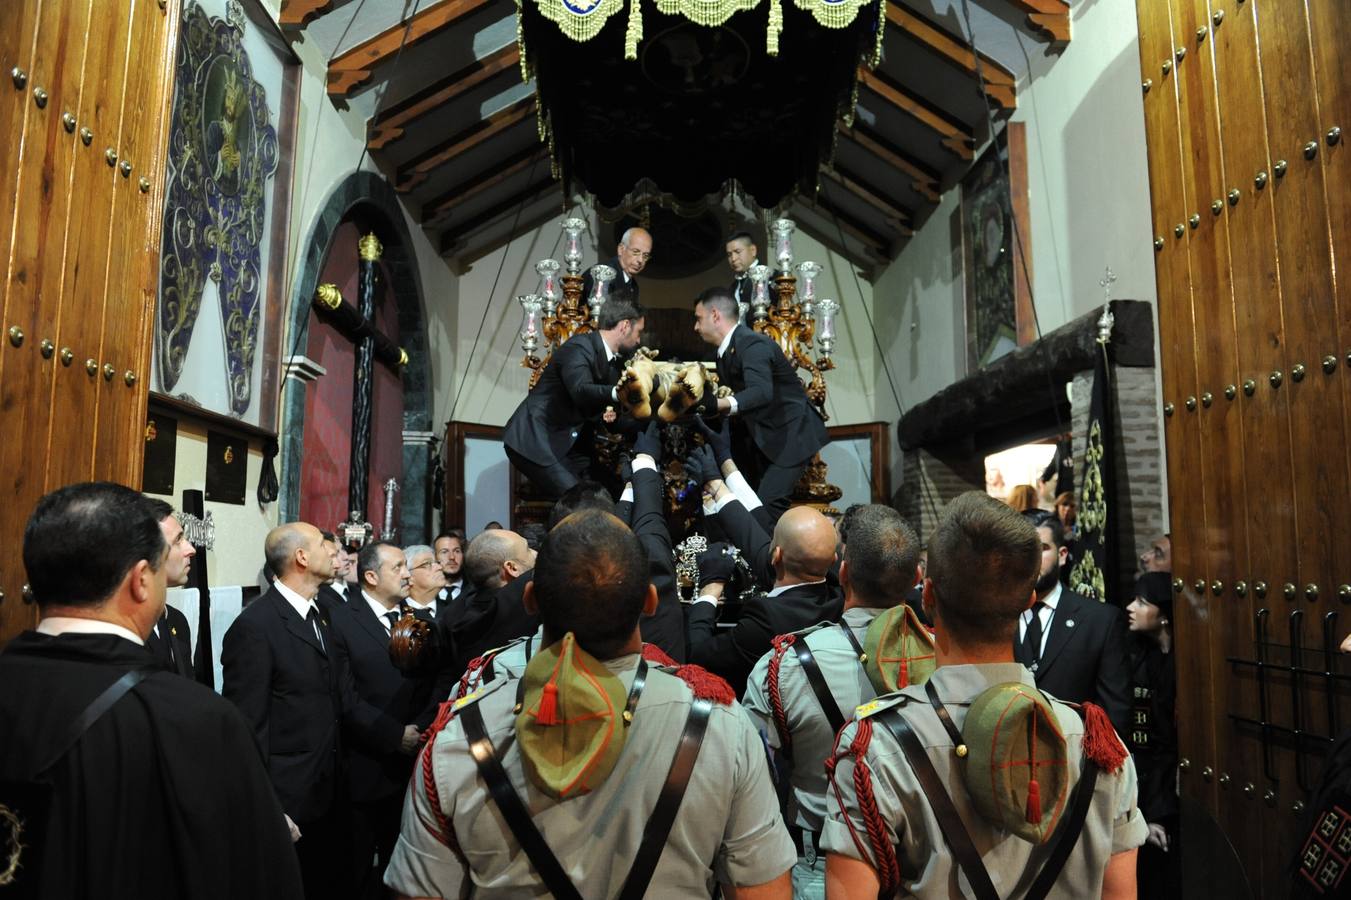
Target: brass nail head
(1241,588)
(1275,378)
(1168,409)
(1230,391)
(1178,586)
(1199,585)
(47,348)
(1280,167)
(1218,17)
(40,98)
(86,136)
(1249,387)
(1146,85)
(108,371)
(1297,807)
(20,77)
(111,155)
(1178,229)
(1179,53)
(1344,593)
(1216,206)
(129,377)
(125,168)
(1217,587)
(16,335)
(1297,371)
(1311,149)
(1289,590)
(1158,243)
(1200,34)
(1225,779)
(144,185)
(91,366)
(1260,180)
(1184,764)
(1269,797)
(1329,364)
(1260,589)
(1207,398)
(67,357)
(1190,403)
(1234,196)
(1334,135)
(1249,789)
(1194,220)
(1167,66)
(68,122)
(1207,773)
(1311,592)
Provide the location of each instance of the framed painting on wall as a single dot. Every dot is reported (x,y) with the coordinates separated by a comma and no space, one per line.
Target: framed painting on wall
(227,209)
(994,220)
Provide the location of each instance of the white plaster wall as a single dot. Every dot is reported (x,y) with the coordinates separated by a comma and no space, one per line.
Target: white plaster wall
(1088,204)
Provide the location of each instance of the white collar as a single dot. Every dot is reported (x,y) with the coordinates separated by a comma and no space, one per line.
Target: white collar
(302,605)
(1053,598)
(779,589)
(609,354)
(56,626)
(379,608)
(746,272)
(726,341)
(416,605)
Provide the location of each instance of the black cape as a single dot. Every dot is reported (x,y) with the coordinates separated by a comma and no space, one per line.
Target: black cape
(163,796)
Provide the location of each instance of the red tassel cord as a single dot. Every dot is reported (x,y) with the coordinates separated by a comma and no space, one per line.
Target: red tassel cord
(781,645)
(1101,743)
(548,705)
(1033,811)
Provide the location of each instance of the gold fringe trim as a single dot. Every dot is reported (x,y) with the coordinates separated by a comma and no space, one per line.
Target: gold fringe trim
(775,27)
(634,34)
(839,14)
(708,13)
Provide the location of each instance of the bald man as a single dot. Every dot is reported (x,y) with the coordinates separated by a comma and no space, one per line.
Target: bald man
(631,256)
(283,671)
(803,551)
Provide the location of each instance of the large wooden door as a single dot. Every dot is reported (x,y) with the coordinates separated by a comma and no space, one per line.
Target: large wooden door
(1245,102)
(83,126)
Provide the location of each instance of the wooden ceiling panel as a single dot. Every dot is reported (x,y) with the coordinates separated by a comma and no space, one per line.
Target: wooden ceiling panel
(390,124)
(350,70)
(417,170)
(1000,84)
(953,135)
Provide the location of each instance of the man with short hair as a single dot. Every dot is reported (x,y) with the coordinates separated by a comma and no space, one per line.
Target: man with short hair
(338,590)
(170,640)
(283,671)
(1159,556)
(741,255)
(377,774)
(968,740)
(1075,647)
(426,580)
(776,429)
(156,795)
(797,719)
(631,256)
(591,787)
(803,551)
(449,547)
(549,437)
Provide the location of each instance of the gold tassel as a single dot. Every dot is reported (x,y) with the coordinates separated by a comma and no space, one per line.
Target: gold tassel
(775,26)
(635,31)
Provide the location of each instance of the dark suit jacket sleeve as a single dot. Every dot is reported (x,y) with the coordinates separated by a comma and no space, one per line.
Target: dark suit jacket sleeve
(574,368)
(624,511)
(246,661)
(757,370)
(733,653)
(369,726)
(665,627)
(1114,679)
(751,539)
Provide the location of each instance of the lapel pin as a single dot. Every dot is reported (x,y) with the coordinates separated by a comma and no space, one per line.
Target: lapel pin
(1069,623)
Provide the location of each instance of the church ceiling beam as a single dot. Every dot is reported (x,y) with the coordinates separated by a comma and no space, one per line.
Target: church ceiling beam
(454,238)
(1000,84)
(469,251)
(871,240)
(388,125)
(926,181)
(481,182)
(420,167)
(298,13)
(820,226)
(953,135)
(1049,18)
(897,216)
(348,71)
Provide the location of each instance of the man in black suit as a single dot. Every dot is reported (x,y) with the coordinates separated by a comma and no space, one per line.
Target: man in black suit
(1075,647)
(338,590)
(449,547)
(631,256)
(781,431)
(804,549)
(377,776)
(741,255)
(426,581)
(550,435)
(282,670)
(170,641)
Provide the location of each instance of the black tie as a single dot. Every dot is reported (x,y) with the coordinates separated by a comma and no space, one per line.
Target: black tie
(393,616)
(313,618)
(1032,640)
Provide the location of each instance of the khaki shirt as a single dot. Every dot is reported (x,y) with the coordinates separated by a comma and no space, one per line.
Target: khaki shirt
(510,661)
(728,828)
(1114,824)
(812,737)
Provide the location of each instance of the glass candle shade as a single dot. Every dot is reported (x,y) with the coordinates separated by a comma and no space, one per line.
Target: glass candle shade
(572,243)
(783,243)
(806,288)
(826,311)
(548,282)
(601,275)
(759,276)
(530,306)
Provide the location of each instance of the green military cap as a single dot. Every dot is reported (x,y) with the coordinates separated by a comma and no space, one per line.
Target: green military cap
(569,723)
(1016,768)
(898,650)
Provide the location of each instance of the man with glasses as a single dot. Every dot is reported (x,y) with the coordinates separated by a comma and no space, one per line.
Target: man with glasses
(631,257)
(426,580)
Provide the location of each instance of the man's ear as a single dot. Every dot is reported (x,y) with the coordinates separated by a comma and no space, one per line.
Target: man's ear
(844,576)
(141,577)
(1032,600)
(370,578)
(927,598)
(649,601)
(1063,555)
(528,599)
(776,557)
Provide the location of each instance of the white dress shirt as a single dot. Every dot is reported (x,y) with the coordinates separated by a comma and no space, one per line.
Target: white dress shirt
(55,626)
(380,611)
(1047,615)
(722,348)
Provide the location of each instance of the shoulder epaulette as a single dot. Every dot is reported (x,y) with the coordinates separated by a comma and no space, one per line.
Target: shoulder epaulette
(878,704)
(479,671)
(702,683)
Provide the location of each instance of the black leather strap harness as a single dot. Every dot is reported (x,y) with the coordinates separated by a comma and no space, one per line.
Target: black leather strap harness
(817,679)
(659,823)
(950,821)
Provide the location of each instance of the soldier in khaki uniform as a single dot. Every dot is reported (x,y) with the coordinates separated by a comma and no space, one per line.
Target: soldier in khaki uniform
(972,786)
(802,697)
(552,783)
